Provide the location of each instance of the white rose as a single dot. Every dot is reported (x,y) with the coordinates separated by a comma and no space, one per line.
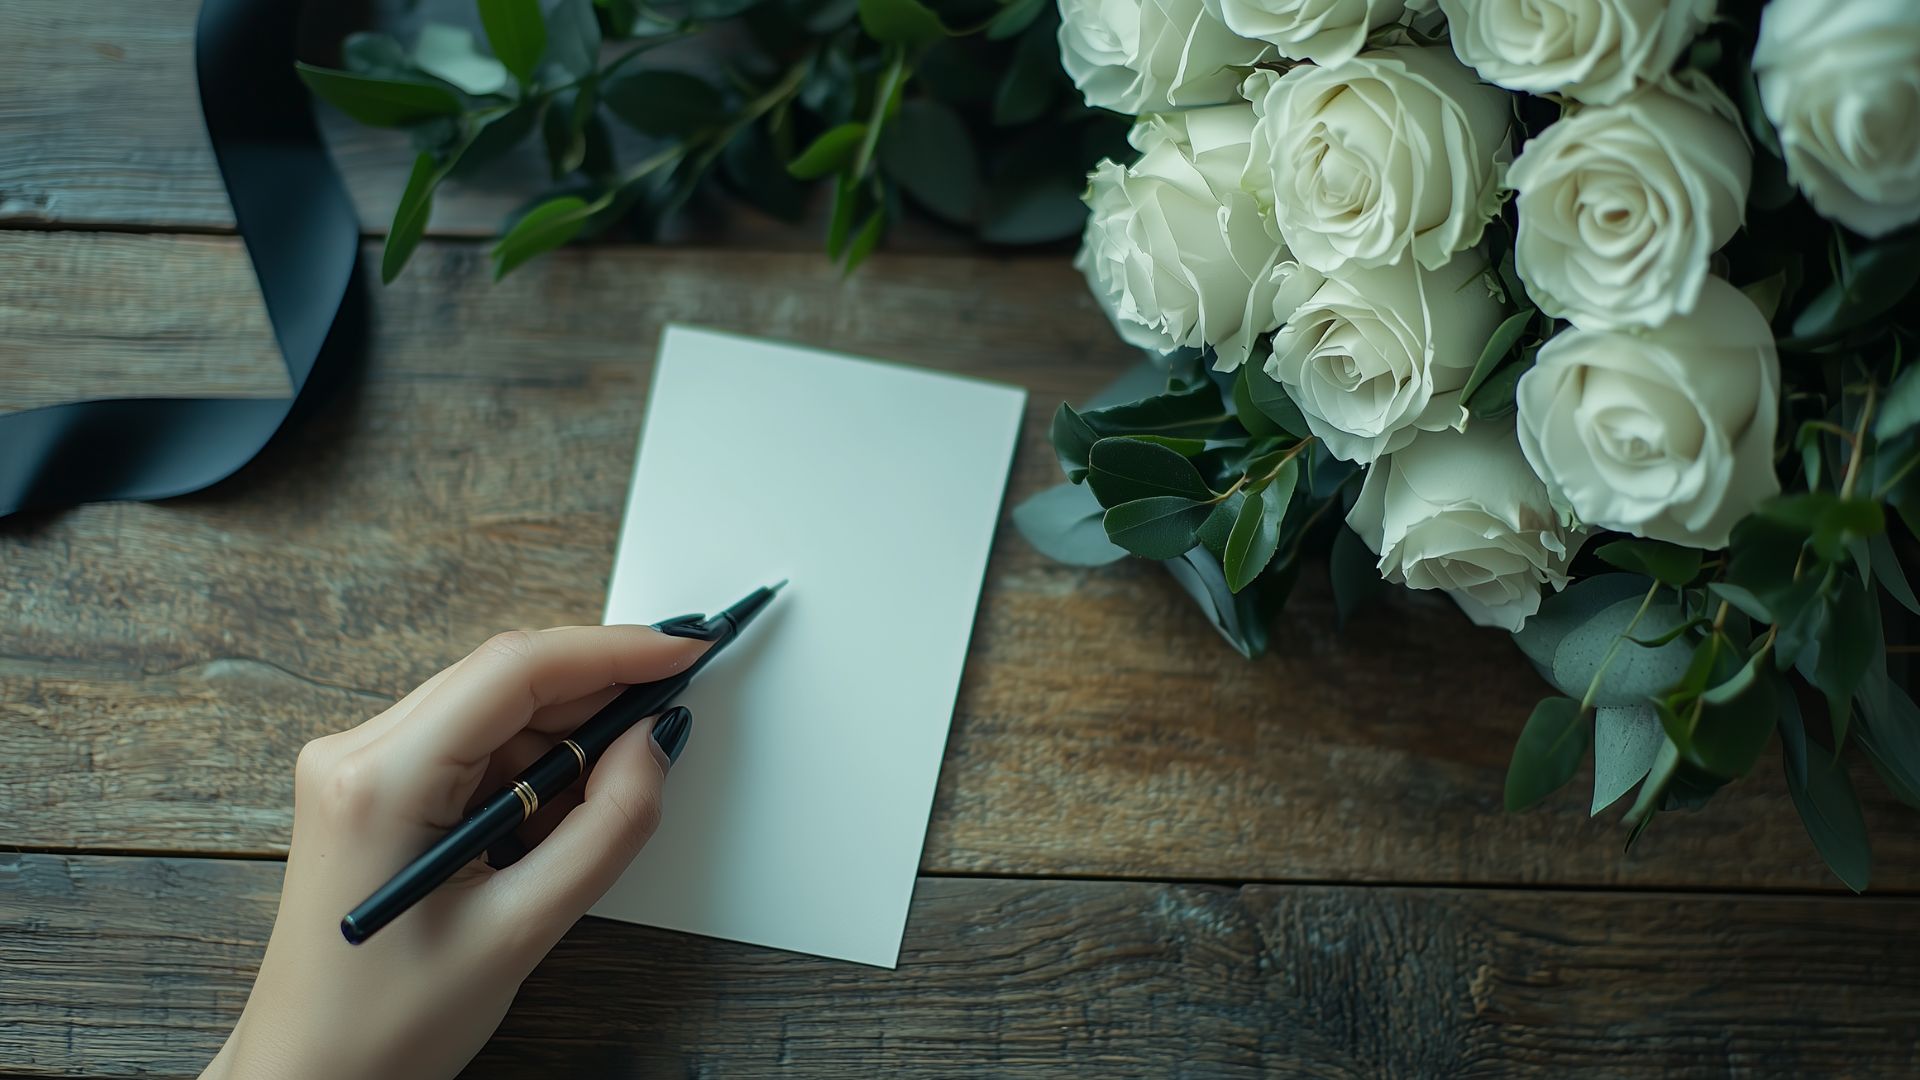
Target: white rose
(1664,433)
(1840,79)
(1461,511)
(1379,354)
(1590,50)
(1327,32)
(1396,150)
(1622,205)
(1141,56)
(1175,252)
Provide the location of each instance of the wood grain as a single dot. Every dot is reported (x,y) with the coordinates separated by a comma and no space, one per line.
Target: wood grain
(108,315)
(136,967)
(100,127)
(472,480)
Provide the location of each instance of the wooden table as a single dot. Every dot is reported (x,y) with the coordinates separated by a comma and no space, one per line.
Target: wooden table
(1147,856)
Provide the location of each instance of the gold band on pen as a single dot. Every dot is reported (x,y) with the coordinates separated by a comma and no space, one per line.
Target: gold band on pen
(577,753)
(529,798)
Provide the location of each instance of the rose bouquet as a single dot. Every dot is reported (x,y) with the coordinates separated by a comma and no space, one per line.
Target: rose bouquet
(1592,314)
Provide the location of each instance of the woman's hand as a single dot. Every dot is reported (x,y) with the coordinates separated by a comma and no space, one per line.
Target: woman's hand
(421,997)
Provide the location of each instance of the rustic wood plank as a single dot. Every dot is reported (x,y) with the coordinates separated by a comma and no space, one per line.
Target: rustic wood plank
(472,480)
(123,967)
(84,319)
(100,126)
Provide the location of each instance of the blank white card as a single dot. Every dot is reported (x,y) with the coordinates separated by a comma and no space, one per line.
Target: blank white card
(797,811)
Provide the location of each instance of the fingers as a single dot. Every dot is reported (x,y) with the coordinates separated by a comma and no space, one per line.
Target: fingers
(547,891)
(494,692)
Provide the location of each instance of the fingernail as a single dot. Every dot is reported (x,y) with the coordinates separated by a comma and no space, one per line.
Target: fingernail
(671,730)
(688,626)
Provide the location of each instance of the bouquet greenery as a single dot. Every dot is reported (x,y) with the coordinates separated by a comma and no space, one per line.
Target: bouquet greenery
(963,112)
(1594,314)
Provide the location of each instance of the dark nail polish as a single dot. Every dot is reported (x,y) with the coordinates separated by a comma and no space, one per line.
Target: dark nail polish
(689,626)
(671,730)
(507,851)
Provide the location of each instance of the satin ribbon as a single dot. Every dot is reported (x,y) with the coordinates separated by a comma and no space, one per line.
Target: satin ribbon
(298,225)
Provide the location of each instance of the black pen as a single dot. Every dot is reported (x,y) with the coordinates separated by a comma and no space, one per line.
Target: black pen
(556,770)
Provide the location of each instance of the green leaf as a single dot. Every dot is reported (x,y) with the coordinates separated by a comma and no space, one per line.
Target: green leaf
(493,137)
(1831,813)
(1186,448)
(1158,528)
(1256,422)
(1548,752)
(930,153)
(1635,673)
(1571,608)
(410,217)
(864,241)
(1498,345)
(1356,575)
(544,228)
(1626,739)
(380,102)
(1494,398)
(1014,17)
(563,128)
(573,37)
(1889,731)
(1256,533)
(1195,412)
(1028,208)
(1218,528)
(1735,718)
(1666,762)
(1887,571)
(517,34)
(1767,292)
(1878,277)
(449,53)
(1827,519)
(846,196)
(1064,523)
(830,152)
(1125,469)
(1669,564)
(1072,442)
(1900,409)
(900,22)
(1270,400)
(668,103)
(1032,74)
(1241,619)
(1849,642)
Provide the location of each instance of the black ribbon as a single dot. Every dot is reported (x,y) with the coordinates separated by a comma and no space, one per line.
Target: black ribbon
(300,232)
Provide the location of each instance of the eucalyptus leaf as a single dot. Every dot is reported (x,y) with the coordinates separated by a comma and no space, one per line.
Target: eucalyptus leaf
(1494,398)
(1547,753)
(1571,608)
(1666,762)
(1195,412)
(864,241)
(564,128)
(377,101)
(1626,739)
(1879,277)
(1122,470)
(1238,618)
(667,103)
(1026,208)
(381,55)
(1163,527)
(1890,735)
(1256,533)
(1831,813)
(1218,527)
(1064,523)
(1635,673)
(1013,17)
(517,33)
(830,152)
(493,137)
(1072,442)
(450,53)
(1900,409)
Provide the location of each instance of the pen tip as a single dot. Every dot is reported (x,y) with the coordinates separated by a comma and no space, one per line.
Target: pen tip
(777,586)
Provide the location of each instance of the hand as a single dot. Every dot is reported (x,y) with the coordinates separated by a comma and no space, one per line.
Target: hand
(421,997)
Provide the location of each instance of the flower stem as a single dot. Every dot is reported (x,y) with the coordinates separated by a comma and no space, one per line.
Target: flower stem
(1859,447)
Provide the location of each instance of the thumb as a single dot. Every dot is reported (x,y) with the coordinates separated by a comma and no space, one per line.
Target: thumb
(546,892)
